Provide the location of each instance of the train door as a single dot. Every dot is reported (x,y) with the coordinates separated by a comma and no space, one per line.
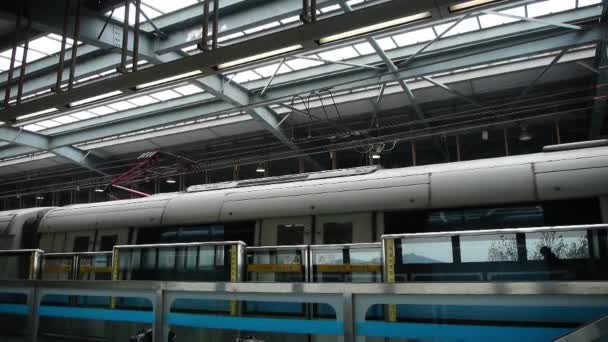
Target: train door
(80,241)
(285,231)
(344,228)
(107,239)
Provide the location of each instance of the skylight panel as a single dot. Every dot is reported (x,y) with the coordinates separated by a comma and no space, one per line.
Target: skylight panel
(300,63)
(267,71)
(386,43)
(59,38)
(491,20)
(167,6)
(48,123)
(32,115)
(84,115)
(119,13)
(46,45)
(339,54)
(467,25)
(143,100)
(583,3)
(121,105)
(246,76)
(189,89)
(262,27)
(95,98)
(364,48)
(102,110)
(190,48)
(5,63)
(355,2)
(33,128)
(414,37)
(66,119)
(550,6)
(165,95)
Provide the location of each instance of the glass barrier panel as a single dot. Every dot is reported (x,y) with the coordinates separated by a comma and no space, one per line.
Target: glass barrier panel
(95,267)
(282,265)
(56,268)
(18,265)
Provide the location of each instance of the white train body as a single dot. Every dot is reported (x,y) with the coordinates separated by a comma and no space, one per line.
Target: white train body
(358,196)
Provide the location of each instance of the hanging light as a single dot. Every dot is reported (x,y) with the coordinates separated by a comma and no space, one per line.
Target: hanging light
(524,135)
(171,180)
(377,152)
(99,190)
(260,168)
(39,197)
(484,135)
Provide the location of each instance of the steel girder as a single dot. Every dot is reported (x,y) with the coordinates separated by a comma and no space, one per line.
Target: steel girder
(453,59)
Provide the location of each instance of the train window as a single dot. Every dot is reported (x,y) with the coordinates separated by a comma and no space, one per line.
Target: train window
(166,259)
(108,242)
(562,245)
(426,250)
(81,244)
(290,234)
(337,232)
(484,248)
(508,217)
(206,256)
(149,256)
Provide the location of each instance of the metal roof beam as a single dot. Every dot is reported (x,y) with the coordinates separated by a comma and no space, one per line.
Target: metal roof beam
(304,35)
(41,142)
(425,65)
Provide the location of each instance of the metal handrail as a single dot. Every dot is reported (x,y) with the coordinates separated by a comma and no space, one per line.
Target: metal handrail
(347,245)
(77,254)
(495,231)
(187,244)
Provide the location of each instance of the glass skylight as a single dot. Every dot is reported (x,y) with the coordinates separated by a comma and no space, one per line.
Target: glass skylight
(467,25)
(550,6)
(151,9)
(491,20)
(37,49)
(339,54)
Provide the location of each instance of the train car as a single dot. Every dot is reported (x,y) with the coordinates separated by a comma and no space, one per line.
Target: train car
(349,206)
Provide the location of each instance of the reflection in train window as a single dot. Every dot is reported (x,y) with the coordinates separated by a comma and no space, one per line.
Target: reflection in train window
(484,248)
(337,232)
(290,234)
(564,245)
(486,217)
(426,250)
(329,257)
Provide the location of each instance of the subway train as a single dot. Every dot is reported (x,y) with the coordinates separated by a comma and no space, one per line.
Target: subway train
(563,187)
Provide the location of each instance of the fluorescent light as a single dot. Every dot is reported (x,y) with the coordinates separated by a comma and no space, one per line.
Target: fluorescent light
(99,190)
(169,79)
(376,27)
(260,168)
(260,56)
(31,115)
(40,198)
(95,98)
(171,180)
(469,4)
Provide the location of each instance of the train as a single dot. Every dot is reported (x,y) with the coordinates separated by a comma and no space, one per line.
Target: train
(564,187)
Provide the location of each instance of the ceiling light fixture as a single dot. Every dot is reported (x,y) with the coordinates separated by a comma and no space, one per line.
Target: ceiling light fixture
(40,198)
(95,98)
(100,190)
(171,180)
(485,135)
(377,152)
(170,79)
(524,135)
(375,27)
(260,168)
(260,56)
(470,4)
(31,115)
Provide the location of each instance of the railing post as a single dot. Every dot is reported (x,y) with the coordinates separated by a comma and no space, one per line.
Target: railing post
(160,335)
(347,316)
(33,301)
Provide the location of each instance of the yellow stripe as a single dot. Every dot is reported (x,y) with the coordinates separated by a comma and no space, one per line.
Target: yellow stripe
(233,275)
(390,275)
(349,268)
(271,268)
(57,269)
(93,269)
(30,275)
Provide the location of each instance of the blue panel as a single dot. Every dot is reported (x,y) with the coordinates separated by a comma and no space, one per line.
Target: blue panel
(97,314)
(14,309)
(502,313)
(293,326)
(55,299)
(459,333)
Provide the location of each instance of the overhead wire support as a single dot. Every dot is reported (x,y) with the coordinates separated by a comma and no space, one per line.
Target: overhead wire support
(28,28)
(76,37)
(11,69)
(136,34)
(64,40)
(274,74)
(125,40)
(216,23)
(204,43)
